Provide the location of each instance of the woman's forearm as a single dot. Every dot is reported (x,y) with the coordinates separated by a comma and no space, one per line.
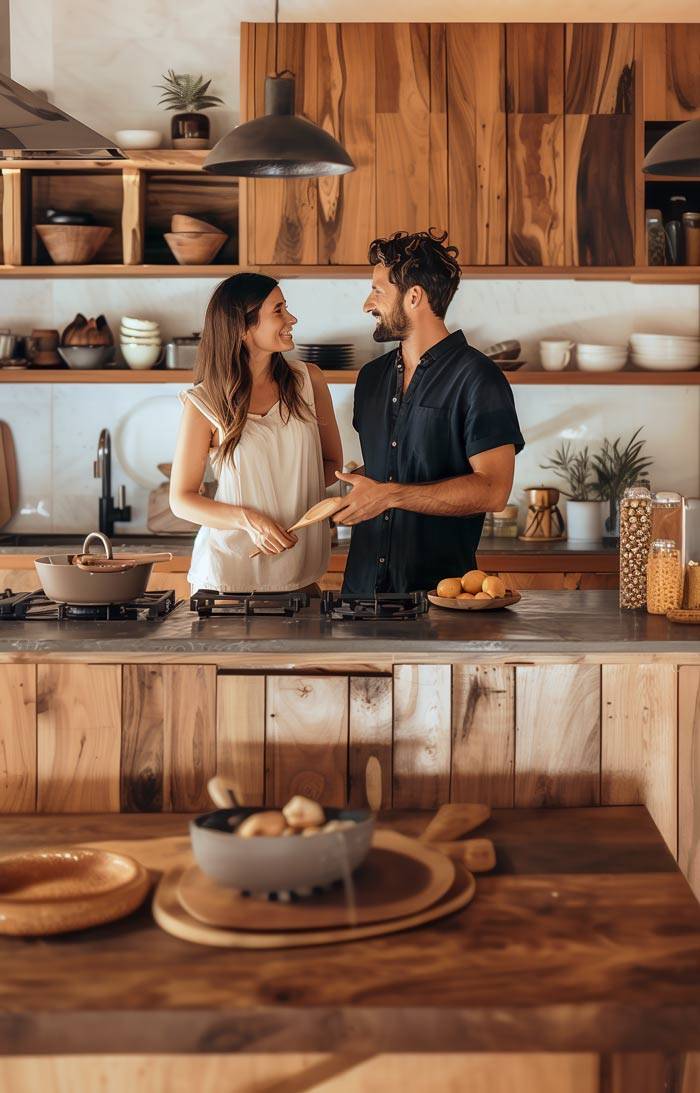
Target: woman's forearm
(204,510)
(330,466)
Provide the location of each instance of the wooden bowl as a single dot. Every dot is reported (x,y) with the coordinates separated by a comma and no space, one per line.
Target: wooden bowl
(195,248)
(182,223)
(72,244)
(508,600)
(56,889)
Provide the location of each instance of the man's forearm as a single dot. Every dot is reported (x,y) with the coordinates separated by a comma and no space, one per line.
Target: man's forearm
(462,496)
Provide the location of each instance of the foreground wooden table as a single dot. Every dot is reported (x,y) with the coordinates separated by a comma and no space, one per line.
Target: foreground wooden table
(575,970)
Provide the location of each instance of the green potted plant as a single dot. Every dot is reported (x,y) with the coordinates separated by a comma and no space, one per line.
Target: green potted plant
(584,510)
(616,468)
(189,95)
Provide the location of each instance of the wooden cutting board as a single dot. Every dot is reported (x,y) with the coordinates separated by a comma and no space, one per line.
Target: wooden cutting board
(400,877)
(174,919)
(8,475)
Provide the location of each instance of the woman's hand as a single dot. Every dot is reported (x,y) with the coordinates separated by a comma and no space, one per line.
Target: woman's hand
(266,533)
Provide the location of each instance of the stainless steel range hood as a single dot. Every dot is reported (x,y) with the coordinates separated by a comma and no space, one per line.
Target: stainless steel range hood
(32,128)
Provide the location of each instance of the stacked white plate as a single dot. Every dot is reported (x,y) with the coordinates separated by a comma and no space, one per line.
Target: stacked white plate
(665,352)
(141,342)
(601,358)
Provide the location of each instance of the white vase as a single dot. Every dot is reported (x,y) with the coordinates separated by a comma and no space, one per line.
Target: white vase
(584,521)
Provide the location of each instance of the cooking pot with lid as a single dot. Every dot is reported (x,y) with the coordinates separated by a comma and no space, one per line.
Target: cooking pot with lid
(96,579)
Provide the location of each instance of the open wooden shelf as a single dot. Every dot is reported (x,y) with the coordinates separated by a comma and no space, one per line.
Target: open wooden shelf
(536,377)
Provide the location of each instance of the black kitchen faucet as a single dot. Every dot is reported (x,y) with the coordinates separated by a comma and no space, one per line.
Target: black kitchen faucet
(102,468)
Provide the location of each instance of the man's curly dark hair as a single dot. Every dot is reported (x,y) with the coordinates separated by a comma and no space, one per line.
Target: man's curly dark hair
(420,258)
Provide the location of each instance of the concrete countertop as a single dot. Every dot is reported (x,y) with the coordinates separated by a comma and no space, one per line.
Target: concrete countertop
(564,623)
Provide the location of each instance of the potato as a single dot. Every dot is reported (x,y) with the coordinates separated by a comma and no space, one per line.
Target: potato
(466,596)
(483,596)
(450,588)
(262,823)
(301,812)
(494,586)
(473,581)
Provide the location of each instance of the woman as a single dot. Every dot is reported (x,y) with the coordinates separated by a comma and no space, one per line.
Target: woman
(275,442)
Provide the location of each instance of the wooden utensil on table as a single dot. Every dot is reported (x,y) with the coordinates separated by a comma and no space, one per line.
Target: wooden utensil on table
(476,855)
(322,511)
(8,447)
(5,504)
(451,821)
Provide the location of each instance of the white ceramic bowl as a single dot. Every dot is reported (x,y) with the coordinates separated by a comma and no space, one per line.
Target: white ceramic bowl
(600,365)
(138,138)
(139,324)
(659,365)
(140,339)
(141,356)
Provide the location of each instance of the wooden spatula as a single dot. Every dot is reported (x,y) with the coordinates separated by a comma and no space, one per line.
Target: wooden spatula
(451,821)
(10,464)
(476,855)
(314,515)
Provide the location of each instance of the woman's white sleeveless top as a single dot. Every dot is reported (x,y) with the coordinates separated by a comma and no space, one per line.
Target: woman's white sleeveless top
(276,468)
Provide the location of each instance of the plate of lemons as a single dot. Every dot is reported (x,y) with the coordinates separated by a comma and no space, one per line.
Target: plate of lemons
(475,591)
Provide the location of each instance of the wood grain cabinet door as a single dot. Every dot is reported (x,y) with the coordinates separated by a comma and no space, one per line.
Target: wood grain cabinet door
(306,748)
(477,141)
(671,70)
(535,103)
(599,143)
(17,738)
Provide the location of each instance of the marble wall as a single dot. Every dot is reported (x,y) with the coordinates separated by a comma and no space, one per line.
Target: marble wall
(100,61)
(56,426)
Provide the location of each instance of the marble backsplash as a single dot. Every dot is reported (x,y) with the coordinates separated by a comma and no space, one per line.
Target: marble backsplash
(56,426)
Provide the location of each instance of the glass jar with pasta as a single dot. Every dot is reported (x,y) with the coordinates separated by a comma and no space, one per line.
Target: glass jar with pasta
(663,577)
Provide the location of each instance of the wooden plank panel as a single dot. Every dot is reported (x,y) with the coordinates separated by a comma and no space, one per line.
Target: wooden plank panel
(671,71)
(599,68)
(78,737)
(190,735)
(240,735)
(307,739)
(535,68)
(438,190)
(422,706)
(370,734)
(346,108)
(143,714)
(133,215)
(476,135)
(17,738)
(639,741)
(689,774)
(557,735)
(12,216)
(599,190)
(483,734)
(402,127)
(284,211)
(535,190)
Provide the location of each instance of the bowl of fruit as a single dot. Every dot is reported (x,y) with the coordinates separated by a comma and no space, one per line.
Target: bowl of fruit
(475,591)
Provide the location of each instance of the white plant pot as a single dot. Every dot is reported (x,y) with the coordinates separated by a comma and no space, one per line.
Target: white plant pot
(584,520)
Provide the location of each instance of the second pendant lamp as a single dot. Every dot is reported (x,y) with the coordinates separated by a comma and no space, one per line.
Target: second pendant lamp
(281,144)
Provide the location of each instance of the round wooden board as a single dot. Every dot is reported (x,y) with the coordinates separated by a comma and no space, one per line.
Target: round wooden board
(57,889)
(400,877)
(474,605)
(685,615)
(174,919)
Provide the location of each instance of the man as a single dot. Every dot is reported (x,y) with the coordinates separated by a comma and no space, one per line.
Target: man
(437,425)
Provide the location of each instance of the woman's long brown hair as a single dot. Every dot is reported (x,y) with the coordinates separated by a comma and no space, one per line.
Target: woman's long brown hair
(223,366)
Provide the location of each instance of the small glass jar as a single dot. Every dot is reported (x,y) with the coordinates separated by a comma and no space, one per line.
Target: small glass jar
(656,238)
(505,522)
(667,516)
(691,232)
(635,537)
(663,577)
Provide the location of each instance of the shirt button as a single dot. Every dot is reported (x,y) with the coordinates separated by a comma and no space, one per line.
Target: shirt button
(381,561)
(386,515)
(394,399)
(393,443)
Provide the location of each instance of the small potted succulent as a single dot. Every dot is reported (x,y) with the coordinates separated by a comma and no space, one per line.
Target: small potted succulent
(616,469)
(189,95)
(584,509)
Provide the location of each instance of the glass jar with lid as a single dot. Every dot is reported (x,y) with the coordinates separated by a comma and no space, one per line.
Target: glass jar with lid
(635,537)
(664,577)
(667,516)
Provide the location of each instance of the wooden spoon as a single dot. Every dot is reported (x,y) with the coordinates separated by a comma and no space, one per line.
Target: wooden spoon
(451,821)
(322,511)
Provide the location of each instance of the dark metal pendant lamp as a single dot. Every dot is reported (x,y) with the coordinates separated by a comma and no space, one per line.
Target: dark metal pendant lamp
(280,144)
(677,154)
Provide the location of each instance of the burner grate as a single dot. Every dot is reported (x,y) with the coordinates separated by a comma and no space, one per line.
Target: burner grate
(383,605)
(207,602)
(35,606)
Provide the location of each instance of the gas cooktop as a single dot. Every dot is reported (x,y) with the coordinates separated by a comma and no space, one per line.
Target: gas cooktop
(383,605)
(34,606)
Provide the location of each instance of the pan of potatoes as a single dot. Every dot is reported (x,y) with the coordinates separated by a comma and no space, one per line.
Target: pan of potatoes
(475,591)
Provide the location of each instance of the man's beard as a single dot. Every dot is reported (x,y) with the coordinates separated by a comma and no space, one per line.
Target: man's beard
(393,329)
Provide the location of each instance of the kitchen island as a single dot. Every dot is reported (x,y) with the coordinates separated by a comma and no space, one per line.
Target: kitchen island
(562,700)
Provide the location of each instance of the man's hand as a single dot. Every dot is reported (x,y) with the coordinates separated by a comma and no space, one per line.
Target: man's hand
(366,500)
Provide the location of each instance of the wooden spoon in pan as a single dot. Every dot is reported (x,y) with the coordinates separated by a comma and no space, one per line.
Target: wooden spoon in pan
(322,511)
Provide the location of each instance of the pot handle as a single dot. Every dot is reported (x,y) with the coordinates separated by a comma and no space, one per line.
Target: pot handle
(102,539)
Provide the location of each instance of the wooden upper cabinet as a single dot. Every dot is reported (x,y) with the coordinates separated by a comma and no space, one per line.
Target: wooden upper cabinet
(671,71)
(535,101)
(599,140)
(476,124)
